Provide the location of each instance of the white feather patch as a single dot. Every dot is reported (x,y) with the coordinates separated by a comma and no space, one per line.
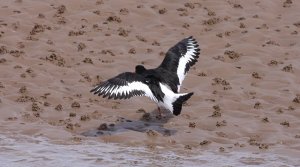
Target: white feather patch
(188,57)
(169,97)
(133,86)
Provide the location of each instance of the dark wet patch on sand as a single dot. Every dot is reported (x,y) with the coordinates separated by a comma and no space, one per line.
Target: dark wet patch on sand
(149,122)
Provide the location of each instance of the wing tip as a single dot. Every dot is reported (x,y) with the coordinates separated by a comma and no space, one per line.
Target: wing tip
(192,42)
(96,90)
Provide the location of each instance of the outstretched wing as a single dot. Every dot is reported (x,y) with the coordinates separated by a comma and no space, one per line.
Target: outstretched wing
(124,86)
(181,57)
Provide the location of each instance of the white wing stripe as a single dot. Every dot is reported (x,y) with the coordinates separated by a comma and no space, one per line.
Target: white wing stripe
(180,69)
(143,87)
(111,89)
(106,88)
(186,58)
(98,89)
(127,90)
(116,90)
(182,64)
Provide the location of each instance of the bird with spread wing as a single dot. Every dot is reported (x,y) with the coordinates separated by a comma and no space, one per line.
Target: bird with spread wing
(161,84)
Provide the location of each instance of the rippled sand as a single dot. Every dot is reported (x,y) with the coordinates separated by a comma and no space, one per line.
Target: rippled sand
(246,104)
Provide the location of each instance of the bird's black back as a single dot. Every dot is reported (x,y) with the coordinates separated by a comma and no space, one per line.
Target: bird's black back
(161,75)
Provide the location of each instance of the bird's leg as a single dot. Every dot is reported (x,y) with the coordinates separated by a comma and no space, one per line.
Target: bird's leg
(159,113)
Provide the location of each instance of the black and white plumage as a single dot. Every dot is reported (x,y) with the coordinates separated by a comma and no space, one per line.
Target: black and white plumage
(162,84)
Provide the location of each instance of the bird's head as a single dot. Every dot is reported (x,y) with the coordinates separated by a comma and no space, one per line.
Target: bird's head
(139,69)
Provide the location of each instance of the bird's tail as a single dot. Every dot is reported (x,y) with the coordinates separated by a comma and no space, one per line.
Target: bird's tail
(177,104)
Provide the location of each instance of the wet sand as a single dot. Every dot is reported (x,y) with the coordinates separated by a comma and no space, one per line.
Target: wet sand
(246,104)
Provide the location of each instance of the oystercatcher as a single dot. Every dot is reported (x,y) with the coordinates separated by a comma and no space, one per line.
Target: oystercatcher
(161,84)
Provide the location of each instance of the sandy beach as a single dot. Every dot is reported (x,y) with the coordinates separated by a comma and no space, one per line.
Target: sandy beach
(246,104)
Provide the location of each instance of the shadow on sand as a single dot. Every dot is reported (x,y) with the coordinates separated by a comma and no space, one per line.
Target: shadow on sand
(149,122)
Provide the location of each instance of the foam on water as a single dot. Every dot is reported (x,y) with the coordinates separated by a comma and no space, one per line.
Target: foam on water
(17,151)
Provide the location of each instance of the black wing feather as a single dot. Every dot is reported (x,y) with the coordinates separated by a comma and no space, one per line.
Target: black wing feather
(179,50)
(110,87)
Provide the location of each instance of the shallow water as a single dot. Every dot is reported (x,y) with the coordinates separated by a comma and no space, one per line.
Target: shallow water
(19,150)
